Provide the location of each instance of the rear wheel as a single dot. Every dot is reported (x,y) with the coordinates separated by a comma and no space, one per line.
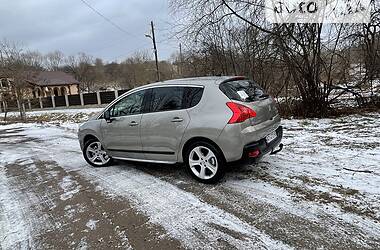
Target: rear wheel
(205,162)
(95,154)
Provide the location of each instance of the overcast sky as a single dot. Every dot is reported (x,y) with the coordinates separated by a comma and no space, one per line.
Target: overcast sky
(71,27)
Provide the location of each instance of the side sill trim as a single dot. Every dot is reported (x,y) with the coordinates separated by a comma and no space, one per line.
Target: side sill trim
(143,160)
(143,152)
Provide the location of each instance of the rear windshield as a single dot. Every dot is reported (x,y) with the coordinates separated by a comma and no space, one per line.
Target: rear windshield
(243,90)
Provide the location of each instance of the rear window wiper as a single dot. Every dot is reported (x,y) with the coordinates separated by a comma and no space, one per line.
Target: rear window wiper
(264,96)
(251,99)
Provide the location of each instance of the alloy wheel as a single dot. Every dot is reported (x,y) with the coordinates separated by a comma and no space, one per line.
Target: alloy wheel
(203,162)
(96,154)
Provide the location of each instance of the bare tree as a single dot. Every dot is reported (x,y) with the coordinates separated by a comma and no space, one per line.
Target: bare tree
(17,66)
(231,31)
(81,66)
(369,39)
(54,60)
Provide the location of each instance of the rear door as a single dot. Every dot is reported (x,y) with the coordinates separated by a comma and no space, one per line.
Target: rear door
(163,127)
(121,137)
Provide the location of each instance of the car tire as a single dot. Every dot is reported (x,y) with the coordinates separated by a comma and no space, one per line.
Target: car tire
(91,149)
(204,162)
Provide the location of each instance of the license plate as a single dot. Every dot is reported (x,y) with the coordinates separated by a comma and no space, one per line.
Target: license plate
(271,136)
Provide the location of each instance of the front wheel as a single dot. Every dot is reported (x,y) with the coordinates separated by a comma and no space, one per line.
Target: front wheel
(95,154)
(205,162)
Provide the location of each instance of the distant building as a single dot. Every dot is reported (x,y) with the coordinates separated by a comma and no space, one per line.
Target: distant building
(46,83)
(53,83)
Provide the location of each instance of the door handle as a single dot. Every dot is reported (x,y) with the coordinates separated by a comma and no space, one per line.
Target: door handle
(177,119)
(133,123)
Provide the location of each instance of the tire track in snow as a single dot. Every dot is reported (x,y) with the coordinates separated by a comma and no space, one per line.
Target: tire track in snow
(184,216)
(22,219)
(273,211)
(14,225)
(64,215)
(334,224)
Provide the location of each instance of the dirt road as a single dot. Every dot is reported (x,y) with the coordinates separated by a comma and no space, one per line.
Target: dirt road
(50,198)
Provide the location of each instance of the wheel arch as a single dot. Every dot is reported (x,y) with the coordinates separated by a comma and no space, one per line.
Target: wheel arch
(88,137)
(200,139)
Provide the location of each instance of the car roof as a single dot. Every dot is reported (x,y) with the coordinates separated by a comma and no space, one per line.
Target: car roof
(206,80)
(197,80)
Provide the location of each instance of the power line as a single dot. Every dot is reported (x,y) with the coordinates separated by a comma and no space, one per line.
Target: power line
(127,54)
(106,18)
(113,24)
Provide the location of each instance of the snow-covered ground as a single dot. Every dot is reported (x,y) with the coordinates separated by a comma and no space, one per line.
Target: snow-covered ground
(53,116)
(321,191)
(71,112)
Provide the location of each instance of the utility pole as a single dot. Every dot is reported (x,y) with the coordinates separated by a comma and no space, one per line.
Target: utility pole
(180,60)
(155,50)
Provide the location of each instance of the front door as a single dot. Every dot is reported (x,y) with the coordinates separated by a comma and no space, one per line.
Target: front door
(163,127)
(121,136)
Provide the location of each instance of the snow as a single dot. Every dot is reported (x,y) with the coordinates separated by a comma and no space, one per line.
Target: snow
(69,187)
(68,118)
(56,111)
(91,224)
(326,148)
(320,157)
(82,245)
(182,214)
(13,225)
(315,158)
(164,203)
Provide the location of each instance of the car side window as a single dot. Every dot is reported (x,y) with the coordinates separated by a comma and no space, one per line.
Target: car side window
(129,105)
(166,99)
(192,96)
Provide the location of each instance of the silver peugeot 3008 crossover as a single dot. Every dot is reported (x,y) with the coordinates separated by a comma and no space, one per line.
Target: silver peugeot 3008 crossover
(203,122)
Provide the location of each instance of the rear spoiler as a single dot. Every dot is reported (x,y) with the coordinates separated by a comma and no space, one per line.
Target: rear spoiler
(235,78)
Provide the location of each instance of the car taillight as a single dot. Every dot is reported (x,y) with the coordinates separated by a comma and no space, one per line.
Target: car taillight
(240,112)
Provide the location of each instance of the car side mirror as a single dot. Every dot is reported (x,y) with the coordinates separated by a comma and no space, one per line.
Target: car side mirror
(107,116)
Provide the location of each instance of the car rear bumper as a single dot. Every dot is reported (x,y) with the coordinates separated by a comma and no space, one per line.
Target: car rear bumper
(263,147)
